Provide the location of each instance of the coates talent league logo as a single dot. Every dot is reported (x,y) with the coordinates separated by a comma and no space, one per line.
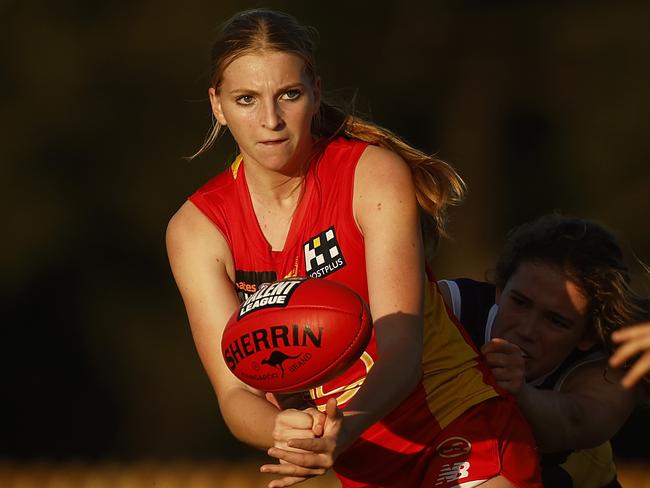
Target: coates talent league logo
(247,282)
(276,294)
(323,254)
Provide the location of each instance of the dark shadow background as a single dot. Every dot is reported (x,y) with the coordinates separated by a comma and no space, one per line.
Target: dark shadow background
(540,105)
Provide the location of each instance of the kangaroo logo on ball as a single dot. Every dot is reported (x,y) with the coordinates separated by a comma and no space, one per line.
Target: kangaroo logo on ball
(276,358)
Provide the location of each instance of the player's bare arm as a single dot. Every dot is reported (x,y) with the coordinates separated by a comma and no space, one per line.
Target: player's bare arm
(589,409)
(202,266)
(387,213)
(388,216)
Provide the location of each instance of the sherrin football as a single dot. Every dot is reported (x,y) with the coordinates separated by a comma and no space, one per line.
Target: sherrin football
(296,334)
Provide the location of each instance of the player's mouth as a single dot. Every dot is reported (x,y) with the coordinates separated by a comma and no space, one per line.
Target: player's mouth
(273,142)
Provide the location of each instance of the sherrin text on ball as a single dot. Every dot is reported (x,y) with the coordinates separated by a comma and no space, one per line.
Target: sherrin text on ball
(296,334)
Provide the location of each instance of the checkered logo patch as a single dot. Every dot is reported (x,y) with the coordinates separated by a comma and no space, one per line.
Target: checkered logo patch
(323,254)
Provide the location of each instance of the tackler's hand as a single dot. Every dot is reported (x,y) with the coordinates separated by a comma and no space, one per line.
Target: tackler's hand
(634,341)
(506,362)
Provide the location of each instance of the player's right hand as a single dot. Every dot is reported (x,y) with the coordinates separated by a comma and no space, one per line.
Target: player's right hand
(306,457)
(506,362)
(297,424)
(634,342)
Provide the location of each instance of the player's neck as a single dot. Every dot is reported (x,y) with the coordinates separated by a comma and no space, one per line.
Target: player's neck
(275,208)
(282,186)
(276,190)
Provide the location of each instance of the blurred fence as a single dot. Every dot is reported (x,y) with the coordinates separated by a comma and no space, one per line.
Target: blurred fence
(142,475)
(190,475)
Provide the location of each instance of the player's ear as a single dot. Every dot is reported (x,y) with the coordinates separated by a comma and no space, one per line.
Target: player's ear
(215,102)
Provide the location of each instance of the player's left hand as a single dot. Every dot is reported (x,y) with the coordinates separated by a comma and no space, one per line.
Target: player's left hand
(506,362)
(313,457)
(633,343)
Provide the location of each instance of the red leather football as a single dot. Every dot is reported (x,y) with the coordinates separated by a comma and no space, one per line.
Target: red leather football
(296,334)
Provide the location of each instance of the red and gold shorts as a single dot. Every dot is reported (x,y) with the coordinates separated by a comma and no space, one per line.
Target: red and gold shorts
(488,440)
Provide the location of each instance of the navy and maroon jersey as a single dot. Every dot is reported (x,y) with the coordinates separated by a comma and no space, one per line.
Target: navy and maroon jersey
(473,302)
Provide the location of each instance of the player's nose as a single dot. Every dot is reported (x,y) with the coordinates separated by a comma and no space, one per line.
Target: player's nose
(270,115)
(527,327)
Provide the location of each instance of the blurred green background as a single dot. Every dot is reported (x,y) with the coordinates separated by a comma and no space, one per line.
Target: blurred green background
(540,106)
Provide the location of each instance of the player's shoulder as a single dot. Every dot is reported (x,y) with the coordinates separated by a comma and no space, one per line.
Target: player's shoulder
(379,160)
(595,382)
(474,285)
(381,171)
(472,303)
(190,228)
(468,291)
(185,220)
(589,370)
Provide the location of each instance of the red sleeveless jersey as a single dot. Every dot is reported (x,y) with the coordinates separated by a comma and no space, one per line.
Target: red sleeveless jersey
(324,241)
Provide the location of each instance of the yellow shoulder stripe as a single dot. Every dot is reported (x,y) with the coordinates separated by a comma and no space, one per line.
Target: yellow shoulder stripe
(234,167)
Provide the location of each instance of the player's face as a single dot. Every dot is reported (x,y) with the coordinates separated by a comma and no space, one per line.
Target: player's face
(545,314)
(267,100)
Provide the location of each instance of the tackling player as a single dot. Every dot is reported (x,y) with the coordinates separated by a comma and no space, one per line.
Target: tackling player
(561,288)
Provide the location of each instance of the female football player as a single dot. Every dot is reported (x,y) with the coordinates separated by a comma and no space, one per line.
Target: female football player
(316,192)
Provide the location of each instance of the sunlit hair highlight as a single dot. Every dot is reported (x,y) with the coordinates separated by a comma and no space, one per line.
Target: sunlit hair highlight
(590,256)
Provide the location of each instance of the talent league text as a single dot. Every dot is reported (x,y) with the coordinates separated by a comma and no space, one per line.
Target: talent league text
(275,294)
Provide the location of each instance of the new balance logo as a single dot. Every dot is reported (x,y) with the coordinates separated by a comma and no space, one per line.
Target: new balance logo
(453,472)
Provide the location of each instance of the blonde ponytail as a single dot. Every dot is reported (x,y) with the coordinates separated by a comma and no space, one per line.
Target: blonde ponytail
(437,184)
(211,137)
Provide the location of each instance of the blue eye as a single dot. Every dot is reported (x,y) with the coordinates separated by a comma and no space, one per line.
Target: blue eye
(245,100)
(291,94)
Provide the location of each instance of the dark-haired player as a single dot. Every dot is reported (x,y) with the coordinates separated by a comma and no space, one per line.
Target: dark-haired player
(561,288)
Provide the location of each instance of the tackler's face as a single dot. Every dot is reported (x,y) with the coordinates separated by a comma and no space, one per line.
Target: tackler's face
(545,314)
(267,100)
